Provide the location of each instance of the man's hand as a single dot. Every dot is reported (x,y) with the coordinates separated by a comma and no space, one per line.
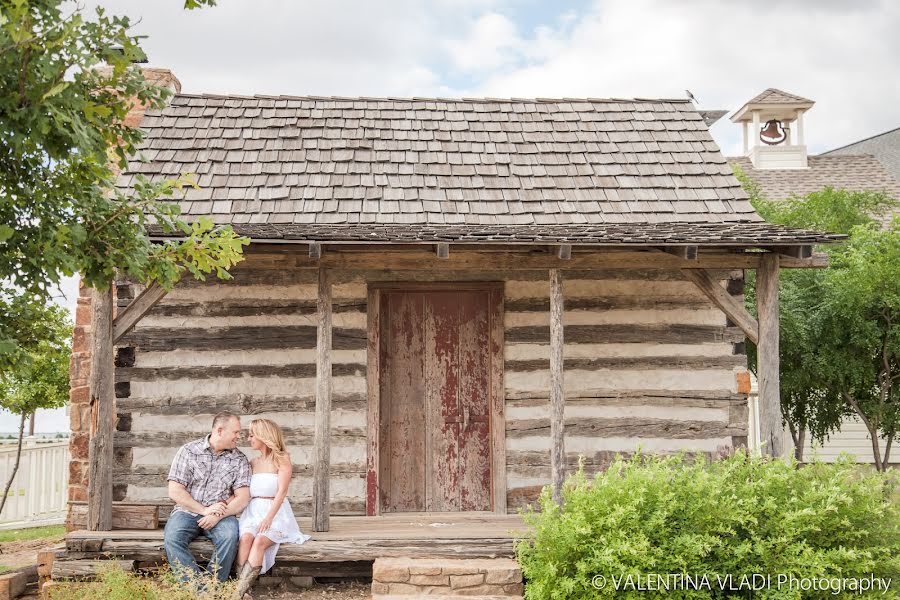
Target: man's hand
(218,509)
(209,521)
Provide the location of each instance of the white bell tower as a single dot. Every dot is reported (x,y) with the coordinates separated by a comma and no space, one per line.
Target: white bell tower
(773,130)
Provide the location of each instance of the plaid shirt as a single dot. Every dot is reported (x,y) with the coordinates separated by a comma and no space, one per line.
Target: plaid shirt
(208,477)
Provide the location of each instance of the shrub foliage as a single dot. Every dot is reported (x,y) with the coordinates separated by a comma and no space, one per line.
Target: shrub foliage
(739,516)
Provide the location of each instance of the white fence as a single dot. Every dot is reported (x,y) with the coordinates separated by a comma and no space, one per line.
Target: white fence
(39,492)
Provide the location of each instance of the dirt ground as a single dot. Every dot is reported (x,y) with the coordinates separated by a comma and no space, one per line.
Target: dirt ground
(321,591)
(24,553)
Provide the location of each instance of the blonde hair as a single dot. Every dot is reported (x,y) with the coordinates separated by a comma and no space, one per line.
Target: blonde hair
(269,433)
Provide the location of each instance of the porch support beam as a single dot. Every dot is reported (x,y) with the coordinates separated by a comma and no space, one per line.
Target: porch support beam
(771,429)
(443,250)
(315,250)
(564,252)
(601,258)
(682,252)
(800,252)
(103,413)
(321,468)
(557,396)
(725,301)
(134,312)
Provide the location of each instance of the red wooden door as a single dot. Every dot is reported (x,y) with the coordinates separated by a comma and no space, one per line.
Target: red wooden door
(435,452)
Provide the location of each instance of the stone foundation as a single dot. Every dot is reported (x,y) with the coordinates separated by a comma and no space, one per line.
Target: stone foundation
(485,578)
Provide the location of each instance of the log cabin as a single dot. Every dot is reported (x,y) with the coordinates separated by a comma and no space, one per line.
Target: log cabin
(445,303)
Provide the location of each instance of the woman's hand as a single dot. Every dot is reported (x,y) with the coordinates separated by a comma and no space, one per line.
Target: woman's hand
(264,524)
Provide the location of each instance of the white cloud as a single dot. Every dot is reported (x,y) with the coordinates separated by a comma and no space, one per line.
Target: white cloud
(842,55)
(492,42)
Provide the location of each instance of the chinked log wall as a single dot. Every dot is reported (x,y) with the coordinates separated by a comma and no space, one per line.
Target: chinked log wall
(648,361)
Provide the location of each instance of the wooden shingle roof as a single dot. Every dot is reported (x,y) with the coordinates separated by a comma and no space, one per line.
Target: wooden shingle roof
(432,161)
(542,169)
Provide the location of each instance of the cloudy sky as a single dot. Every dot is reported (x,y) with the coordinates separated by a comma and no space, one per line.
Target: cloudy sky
(841,54)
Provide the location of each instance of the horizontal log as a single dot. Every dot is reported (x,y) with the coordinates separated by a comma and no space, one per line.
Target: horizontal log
(250,307)
(240,404)
(598,303)
(293,436)
(630,427)
(291,371)
(605,397)
(518,460)
(520,497)
(87,569)
(634,363)
(281,337)
(627,334)
(327,550)
(124,516)
(155,475)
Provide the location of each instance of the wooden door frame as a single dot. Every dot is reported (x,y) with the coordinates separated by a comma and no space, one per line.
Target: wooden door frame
(496,389)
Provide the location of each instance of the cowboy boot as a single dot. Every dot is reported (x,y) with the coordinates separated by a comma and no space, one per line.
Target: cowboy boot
(248,574)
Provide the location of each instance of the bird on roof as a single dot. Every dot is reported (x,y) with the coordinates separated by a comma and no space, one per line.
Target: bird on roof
(691,96)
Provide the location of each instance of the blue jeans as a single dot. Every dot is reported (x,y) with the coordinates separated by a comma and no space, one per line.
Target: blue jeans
(182,529)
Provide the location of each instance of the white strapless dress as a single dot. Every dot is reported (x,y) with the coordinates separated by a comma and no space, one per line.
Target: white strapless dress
(284,528)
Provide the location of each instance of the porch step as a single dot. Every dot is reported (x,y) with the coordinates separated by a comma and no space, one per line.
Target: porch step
(446,579)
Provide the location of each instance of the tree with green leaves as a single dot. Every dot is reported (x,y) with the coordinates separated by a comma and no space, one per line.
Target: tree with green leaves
(40,378)
(858,324)
(813,402)
(67,81)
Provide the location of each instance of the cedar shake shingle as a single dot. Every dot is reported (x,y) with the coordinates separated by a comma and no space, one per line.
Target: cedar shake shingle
(431,162)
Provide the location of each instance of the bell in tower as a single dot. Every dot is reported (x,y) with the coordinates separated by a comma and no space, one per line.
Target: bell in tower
(772,117)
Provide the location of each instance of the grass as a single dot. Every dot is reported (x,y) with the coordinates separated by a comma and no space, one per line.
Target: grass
(34,533)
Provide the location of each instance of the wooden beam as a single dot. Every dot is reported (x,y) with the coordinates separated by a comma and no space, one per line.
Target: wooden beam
(683,252)
(124,516)
(564,252)
(103,413)
(380,260)
(771,429)
(557,396)
(315,250)
(134,312)
(799,252)
(725,301)
(321,471)
(443,251)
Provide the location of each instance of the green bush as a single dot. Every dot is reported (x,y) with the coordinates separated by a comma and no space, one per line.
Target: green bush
(739,516)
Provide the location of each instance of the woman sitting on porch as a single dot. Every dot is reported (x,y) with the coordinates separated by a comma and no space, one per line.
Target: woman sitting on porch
(268,521)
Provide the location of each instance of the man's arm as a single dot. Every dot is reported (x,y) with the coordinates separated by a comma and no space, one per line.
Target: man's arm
(179,494)
(238,502)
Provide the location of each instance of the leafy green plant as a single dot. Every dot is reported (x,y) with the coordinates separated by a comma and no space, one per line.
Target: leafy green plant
(739,516)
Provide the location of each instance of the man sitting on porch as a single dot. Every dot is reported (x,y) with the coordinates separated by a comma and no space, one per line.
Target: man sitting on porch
(209,483)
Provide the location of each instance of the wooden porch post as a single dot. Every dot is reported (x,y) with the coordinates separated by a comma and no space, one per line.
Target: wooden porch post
(103,414)
(557,396)
(321,469)
(771,429)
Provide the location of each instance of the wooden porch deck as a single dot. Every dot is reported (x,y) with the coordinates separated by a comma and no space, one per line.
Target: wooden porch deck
(420,535)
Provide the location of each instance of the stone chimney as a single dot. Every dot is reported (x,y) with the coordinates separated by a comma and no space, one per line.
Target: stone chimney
(160,77)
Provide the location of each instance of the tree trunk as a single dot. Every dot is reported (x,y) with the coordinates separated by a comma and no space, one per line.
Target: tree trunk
(798,448)
(872,429)
(885,460)
(16,466)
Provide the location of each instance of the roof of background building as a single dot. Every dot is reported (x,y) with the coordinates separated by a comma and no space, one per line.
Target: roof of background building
(855,173)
